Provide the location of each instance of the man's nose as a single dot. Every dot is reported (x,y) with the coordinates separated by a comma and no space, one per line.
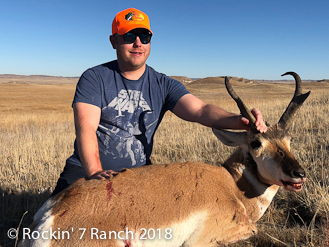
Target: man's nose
(137,42)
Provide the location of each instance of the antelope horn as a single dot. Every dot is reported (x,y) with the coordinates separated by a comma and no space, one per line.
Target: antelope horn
(295,103)
(243,108)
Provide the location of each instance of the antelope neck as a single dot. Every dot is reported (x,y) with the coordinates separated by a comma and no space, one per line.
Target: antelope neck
(256,196)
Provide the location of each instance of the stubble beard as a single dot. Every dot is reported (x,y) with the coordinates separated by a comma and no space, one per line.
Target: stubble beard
(129,63)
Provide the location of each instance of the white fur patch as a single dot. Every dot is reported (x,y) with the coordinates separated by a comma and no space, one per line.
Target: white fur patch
(48,205)
(44,219)
(267,193)
(268,196)
(187,230)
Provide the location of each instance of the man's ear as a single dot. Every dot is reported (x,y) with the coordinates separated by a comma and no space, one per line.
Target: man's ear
(113,41)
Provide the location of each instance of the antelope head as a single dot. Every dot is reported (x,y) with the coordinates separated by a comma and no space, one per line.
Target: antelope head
(270,151)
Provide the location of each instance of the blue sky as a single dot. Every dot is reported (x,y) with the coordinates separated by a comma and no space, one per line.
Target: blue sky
(255,39)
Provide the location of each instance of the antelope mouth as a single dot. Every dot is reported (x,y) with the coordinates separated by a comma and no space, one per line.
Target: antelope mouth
(292,186)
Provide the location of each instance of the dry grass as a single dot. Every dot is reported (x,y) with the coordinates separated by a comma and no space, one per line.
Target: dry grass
(37,134)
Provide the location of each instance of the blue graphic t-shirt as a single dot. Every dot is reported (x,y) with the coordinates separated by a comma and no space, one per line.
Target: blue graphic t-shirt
(131,111)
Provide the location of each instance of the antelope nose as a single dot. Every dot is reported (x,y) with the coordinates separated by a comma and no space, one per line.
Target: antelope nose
(300,174)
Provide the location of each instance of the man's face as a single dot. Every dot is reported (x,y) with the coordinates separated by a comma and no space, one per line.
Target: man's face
(131,56)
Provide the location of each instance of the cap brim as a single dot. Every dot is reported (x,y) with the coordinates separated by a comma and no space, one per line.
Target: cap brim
(124,30)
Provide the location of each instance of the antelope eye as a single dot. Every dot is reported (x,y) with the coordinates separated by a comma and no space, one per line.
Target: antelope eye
(255,144)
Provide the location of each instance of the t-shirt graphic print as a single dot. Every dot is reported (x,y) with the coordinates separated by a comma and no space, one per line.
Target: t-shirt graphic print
(128,115)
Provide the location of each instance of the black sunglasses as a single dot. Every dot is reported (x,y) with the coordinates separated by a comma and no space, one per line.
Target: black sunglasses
(130,38)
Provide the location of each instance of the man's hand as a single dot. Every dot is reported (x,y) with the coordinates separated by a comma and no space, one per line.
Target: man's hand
(260,125)
(103,174)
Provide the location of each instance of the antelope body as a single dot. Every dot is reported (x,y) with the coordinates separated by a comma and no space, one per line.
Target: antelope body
(189,204)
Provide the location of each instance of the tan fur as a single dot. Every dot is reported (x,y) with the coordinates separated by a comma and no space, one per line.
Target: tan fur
(155,197)
(145,197)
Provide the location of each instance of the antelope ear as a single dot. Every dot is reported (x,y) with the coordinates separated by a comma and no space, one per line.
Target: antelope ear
(231,138)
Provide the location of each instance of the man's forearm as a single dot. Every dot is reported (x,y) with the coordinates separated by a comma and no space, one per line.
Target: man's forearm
(191,108)
(214,116)
(88,150)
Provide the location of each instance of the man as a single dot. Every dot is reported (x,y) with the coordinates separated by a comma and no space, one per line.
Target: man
(119,105)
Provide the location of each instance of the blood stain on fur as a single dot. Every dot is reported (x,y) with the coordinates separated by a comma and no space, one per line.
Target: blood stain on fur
(109,190)
(63,213)
(127,243)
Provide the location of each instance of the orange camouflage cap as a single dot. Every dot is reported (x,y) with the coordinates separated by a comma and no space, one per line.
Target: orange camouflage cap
(128,20)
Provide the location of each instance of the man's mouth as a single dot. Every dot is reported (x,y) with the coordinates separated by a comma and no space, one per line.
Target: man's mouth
(136,53)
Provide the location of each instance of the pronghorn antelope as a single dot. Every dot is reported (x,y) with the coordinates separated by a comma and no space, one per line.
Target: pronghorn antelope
(190,204)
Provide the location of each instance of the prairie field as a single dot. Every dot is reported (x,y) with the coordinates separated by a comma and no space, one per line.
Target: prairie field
(37,134)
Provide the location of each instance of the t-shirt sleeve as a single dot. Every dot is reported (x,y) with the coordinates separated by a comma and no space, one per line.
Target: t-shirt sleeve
(175,91)
(88,89)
